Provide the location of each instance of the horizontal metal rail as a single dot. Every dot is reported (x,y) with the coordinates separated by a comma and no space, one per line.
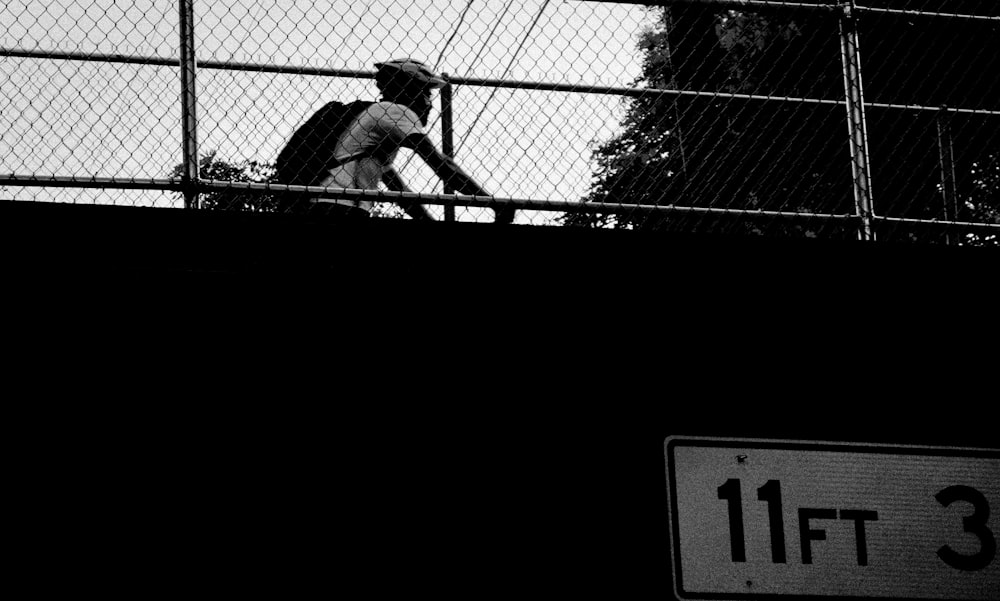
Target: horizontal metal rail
(817,7)
(125,59)
(72,181)
(965,225)
(747,5)
(917,13)
(161,61)
(936,109)
(582,88)
(578,88)
(176,185)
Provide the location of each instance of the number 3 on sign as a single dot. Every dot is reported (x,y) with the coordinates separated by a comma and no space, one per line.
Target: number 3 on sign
(973,524)
(770,493)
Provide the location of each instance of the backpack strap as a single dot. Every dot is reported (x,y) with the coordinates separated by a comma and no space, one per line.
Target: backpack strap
(355,109)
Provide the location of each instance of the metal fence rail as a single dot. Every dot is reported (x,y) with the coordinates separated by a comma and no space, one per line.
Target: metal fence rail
(668,144)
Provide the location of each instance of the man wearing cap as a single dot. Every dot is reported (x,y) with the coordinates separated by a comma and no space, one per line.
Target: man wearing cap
(397,121)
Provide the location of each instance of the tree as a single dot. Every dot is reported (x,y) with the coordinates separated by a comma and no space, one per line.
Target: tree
(723,152)
(736,153)
(931,62)
(211,167)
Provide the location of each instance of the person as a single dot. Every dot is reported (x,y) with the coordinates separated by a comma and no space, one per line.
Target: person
(366,149)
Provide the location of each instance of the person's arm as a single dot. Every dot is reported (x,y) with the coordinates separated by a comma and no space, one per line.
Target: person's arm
(394,182)
(451,174)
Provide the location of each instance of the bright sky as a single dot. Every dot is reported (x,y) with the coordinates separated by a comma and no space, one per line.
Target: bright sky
(98,119)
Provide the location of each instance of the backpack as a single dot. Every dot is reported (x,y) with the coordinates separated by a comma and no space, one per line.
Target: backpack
(308,154)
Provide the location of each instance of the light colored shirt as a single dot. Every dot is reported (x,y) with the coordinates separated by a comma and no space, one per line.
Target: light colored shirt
(380,121)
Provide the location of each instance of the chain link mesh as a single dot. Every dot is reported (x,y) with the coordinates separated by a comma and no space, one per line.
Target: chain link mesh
(696,115)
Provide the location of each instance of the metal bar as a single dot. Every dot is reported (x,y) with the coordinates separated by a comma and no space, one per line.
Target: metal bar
(189,103)
(578,207)
(91,57)
(917,107)
(447,138)
(946,160)
(782,6)
(69,181)
(584,88)
(286,69)
(919,13)
(175,184)
(578,88)
(746,5)
(974,225)
(857,129)
(488,201)
(756,5)
(157,61)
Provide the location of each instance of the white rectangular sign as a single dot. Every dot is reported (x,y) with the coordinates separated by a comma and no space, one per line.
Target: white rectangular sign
(757,519)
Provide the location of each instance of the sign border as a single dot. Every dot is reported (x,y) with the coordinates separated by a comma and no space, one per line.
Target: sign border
(673,526)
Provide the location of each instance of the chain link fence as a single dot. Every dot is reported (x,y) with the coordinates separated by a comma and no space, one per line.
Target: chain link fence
(811,119)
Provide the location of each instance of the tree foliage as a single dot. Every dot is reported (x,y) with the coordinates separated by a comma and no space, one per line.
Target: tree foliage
(717,151)
(983,201)
(211,167)
(932,63)
(755,154)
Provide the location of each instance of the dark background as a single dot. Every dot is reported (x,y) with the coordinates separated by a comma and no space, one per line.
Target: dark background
(224,404)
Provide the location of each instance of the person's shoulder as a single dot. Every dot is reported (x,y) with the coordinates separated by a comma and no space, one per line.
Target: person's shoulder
(394,111)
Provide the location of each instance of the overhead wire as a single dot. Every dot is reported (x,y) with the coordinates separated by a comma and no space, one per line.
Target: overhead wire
(510,65)
(483,46)
(461,20)
(489,36)
(444,49)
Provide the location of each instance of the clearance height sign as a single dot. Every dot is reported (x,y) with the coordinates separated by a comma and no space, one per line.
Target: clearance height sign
(766,519)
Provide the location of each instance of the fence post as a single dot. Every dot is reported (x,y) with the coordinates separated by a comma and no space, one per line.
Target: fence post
(447,139)
(189,121)
(857,128)
(946,160)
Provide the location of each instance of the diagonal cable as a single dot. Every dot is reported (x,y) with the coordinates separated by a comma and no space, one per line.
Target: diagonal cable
(461,20)
(504,75)
(489,36)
